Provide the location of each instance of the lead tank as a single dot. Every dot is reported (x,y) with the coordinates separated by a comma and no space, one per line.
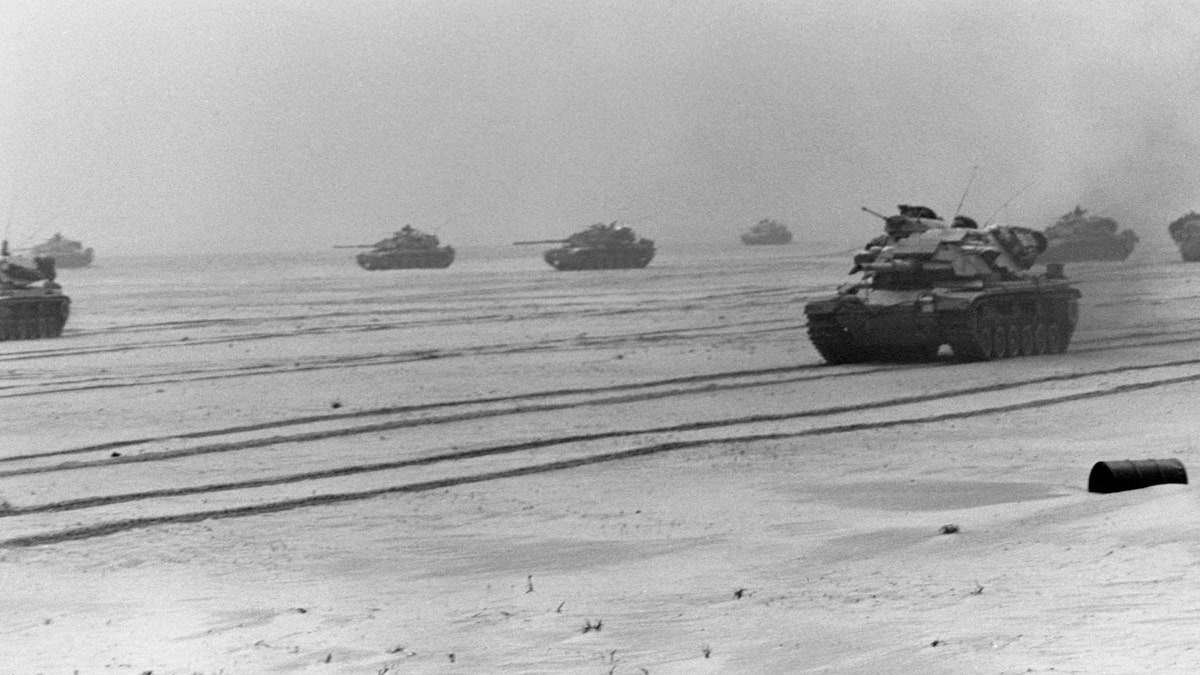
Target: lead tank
(1079,237)
(409,248)
(926,283)
(32,305)
(599,247)
(1185,232)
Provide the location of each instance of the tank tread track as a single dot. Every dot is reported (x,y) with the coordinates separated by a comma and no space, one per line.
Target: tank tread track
(980,335)
(32,318)
(986,336)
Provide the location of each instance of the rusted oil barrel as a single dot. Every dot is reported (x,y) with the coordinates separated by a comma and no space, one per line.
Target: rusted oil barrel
(1136,474)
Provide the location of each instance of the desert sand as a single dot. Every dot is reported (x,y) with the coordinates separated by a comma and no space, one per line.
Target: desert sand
(290,465)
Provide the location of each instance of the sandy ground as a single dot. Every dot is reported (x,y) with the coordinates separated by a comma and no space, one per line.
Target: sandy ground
(498,468)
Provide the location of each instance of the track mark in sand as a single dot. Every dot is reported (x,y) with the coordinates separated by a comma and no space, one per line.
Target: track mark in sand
(233,446)
(653,449)
(397,358)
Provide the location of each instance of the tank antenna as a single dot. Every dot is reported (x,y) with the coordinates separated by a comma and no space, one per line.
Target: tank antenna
(1006,203)
(971,180)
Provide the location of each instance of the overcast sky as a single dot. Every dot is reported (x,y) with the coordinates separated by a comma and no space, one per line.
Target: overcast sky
(235,124)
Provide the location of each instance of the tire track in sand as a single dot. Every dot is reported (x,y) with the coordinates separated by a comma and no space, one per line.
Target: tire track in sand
(123,525)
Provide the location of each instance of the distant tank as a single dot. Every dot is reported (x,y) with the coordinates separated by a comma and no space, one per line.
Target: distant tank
(926,283)
(599,247)
(1079,237)
(67,253)
(767,232)
(408,248)
(1186,232)
(31,303)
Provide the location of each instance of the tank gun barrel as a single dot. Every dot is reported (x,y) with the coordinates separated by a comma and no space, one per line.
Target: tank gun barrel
(356,246)
(875,213)
(539,241)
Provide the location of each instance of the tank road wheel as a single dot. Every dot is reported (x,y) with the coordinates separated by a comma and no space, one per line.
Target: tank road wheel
(1040,346)
(1014,340)
(999,341)
(1054,341)
(833,343)
(1027,340)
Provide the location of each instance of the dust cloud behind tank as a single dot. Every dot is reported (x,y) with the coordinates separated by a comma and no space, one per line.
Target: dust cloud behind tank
(926,283)
(767,232)
(599,247)
(67,253)
(408,248)
(1185,232)
(1080,237)
(32,305)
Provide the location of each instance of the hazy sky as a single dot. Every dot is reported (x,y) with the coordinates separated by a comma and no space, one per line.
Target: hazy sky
(236,124)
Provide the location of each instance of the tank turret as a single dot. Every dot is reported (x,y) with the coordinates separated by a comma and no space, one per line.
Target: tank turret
(767,232)
(407,248)
(1078,237)
(926,283)
(1185,232)
(599,247)
(32,304)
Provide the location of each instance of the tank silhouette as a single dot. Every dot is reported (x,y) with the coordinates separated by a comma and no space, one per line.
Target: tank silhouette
(67,253)
(32,305)
(1185,231)
(1079,237)
(926,284)
(767,232)
(409,248)
(599,247)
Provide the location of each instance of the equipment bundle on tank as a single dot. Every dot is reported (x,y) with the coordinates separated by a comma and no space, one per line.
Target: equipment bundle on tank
(1079,237)
(1185,232)
(767,232)
(31,303)
(926,284)
(408,248)
(599,247)
(66,252)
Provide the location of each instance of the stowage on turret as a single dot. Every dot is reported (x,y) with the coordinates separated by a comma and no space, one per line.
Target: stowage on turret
(1079,237)
(927,283)
(32,305)
(408,248)
(599,247)
(1185,232)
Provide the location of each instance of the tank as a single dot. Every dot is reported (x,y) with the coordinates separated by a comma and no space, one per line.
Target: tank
(1079,237)
(925,284)
(409,248)
(599,247)
(32,305)
(1185,231)
(66,252)
(767,232)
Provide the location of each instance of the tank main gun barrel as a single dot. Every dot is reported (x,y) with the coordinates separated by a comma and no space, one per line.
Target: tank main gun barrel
(356,246)
(539,241)
(875,213)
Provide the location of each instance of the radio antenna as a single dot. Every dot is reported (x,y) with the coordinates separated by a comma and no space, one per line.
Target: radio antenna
(1006,203)
(958,210)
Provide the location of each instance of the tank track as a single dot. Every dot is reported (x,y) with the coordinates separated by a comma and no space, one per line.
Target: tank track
(31,318)
(986,334)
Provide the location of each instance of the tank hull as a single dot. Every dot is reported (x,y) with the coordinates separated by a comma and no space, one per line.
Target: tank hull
(750,239)
(570,259)
(70,259)
(1190,250)
(32,313)
(1087,249)
(435,258)
(1020,318)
